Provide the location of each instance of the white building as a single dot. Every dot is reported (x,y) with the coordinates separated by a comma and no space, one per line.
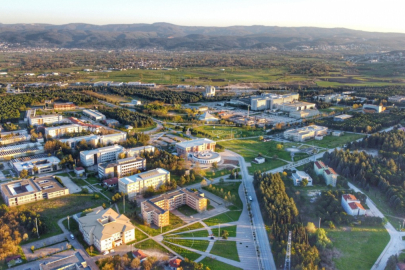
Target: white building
(260,160)
(106,229)
(135,184)
(271,101)
(35,120)
(371,108)
(209,91)
(207,117)
(100,155)
(136,102)
(102,83)
(305,133)
(121,167)
(137,151)
(298,176)
(44,165)
(95,115)
(62,130)
(352,205)
(117,84)
(396,99)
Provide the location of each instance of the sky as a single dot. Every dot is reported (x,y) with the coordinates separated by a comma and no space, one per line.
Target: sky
(367,15)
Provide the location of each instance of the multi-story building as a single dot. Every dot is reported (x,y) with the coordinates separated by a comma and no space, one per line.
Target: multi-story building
(371,108)
(121,167)
(89,127)
(95,115)
(209,91)
(135,184)
(352,205)
(299,176)
(396,99)
(137,151)
(89,139)
(43,165)
(64,106)
(100,155)
(156,210)
(35,120)
(305,133)
(31,190)
(106,229)
(59,131)
(20,150)
(328,174)
(271,101)
(197,145)
(94,140)
(14,137)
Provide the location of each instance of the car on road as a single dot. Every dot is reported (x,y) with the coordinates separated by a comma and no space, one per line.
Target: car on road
(72,236)
(112,251)
(250,198)
(105,252)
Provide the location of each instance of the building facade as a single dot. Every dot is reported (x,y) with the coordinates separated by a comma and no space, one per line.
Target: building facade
(100,155)
(352,205)
(328,174)
(64,106)
(209,91)
(94,115)
(135,184)
(197,145)
(43,165)
(35,120)
(156,210)
(299,176)
(121,167)
(305,133)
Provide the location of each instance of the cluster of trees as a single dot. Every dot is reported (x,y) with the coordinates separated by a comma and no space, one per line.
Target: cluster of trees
(136,139)
(281,214)
(235,175)
(17,225)
(386,174)
(227,196)
(329,209)
(123,262)
(128,117)
(310,68)
(366,123)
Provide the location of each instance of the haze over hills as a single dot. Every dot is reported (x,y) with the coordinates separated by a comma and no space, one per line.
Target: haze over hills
(175,37)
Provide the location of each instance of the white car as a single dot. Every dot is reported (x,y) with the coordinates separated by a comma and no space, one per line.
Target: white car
(250,198)
(112,251)
(72,236)
(106,252)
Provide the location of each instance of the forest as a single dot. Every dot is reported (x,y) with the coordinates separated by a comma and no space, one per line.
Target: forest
(281,215)
(364,170)
(127,117)
(17,225)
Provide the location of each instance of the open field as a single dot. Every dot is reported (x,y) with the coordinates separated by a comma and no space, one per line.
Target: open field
(226,217)
(201,233)
(366,244)
(186,210)
(183,252)
(108,97)
(226,249)
(227,188)
(151,245)
(200,245)
(217,265)
(227,132)
(193,226)
(230,229)
(333,141)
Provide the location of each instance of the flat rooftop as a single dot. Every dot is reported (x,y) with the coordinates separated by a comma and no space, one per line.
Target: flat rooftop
(143,176)
(196,142)
(103,149)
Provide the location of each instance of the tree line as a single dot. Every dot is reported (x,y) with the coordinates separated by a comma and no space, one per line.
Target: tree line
(128,117)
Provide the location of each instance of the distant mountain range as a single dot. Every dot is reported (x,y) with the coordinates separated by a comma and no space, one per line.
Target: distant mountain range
(175,37)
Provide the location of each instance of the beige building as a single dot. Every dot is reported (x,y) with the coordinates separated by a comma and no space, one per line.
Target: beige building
(63,130)
(135,184)
(106,229)
(34,119)
(197,145)
(156,210)
(328,174)
(305,133)
(121,167)
(25,191)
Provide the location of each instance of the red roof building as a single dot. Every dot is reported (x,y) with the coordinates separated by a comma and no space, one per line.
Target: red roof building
(111,182)
(139,254)
(175,264)
(352,205)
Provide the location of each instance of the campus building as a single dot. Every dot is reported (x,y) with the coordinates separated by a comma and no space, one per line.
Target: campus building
(121,167)
(94,115)
(271,101)
(342,117)
(59,131)
(31,190)
(43,165)
(371,108)
(396,99)
(135,184)
(328,174)
(137,151)
(209,91)
(20,150)
(64,106)
(14,137)
(100,155)
(305,133)
(196,145)
(35,120)
(299,176)
(352,205)
(156,210)
(106,229)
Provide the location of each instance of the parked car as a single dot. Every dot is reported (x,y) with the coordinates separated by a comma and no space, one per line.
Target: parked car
(250,198)
(72,236)
(106,252)
(112,251)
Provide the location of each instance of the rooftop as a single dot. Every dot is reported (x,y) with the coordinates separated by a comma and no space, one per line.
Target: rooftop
(196,142)
(349,197)
(111,181)
(67,262)
(143,176)
(103,149)
(38,162)
(319,164)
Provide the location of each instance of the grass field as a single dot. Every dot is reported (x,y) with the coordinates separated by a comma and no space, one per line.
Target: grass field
(193,226)
(201,233)
(151,245)
(183,252)
(226,132)
(226,217)
(175,222)
(200,245)
(212,173)
(226,249)
(333,141)
(366,244)
(217,265)
(186,210)
(231,230)
(226,188)
(139,236)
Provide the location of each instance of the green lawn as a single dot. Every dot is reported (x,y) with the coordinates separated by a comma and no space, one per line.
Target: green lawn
(223,189)
(201,233)
(183,252)
(52,210)
(226,249)
(175,222)
(187,210)
(139,236)
(150,244)
(270,164)
(358,248)
(226,132)
(193,226)
(211,173)
(217,265)
(333,141)
(92,180)
(200,245)
(231,230)
(223,218)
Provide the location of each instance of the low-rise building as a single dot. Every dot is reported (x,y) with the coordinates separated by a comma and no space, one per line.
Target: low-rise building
(59,131)
(121,167)
(137,151)
(112,182)
(64,106)
(31,190)
(352,205)
(396,99)
(42,165)
(338,133)
(156,210)
(35,120)
(93,114)
(136,102)
(371,108)
(79,171)
(197,145)
(328,174)
(20,150)
(342,117)
(207,117)
(299,176)
(137,183)
(305,133)
(175,264)
(259,160)
(106,229)
(74,261)
(100,155)
(209,91)
(14,137)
